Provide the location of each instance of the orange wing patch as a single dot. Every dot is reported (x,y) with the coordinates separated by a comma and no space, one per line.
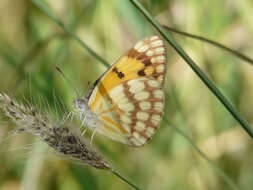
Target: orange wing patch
(147,58)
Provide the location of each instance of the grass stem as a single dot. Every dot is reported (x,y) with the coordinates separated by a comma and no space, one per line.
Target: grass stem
(211,42)
(45,9)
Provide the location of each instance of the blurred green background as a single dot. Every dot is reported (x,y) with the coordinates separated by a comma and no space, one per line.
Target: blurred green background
(31,45)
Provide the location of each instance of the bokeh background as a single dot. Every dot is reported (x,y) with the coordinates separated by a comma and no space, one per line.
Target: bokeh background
(31,45)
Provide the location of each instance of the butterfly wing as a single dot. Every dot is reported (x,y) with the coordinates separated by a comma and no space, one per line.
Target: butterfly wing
(128,99)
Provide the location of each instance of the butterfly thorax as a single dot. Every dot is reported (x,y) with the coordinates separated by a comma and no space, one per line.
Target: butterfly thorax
(87,117)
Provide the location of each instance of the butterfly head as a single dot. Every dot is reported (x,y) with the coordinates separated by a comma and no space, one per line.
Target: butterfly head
(81,105)
(88,118)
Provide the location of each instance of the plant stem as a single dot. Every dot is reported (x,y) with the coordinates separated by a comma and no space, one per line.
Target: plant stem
(202,154)
(214,43)
(125,180)
(45,9)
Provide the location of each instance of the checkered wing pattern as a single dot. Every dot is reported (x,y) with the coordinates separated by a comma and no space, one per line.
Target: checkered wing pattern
(129,98)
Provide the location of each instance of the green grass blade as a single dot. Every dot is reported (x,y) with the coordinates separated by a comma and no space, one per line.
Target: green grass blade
(212,87)
(125,180)
(202,154)
(211,42)
(45,9)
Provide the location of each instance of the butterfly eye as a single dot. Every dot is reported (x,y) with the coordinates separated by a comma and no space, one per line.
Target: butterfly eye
(80,104)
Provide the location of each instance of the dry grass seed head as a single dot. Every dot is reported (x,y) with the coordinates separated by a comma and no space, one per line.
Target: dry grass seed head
(59,136)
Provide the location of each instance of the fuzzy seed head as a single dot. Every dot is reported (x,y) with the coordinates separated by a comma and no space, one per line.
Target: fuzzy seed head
(58,136)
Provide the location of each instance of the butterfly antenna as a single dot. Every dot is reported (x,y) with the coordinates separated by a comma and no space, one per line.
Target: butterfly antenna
(67,79)
(89,84)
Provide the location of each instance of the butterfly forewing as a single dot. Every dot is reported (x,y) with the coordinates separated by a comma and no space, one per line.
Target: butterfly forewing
(129,99)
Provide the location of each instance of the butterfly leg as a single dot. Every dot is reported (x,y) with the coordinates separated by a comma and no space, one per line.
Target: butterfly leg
(84,131)
(69,116)
(92,137)
(83,118)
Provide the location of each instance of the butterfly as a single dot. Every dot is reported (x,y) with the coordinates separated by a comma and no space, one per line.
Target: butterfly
(126,103)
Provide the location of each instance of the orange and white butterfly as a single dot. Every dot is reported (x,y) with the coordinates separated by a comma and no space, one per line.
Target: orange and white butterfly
(126,103)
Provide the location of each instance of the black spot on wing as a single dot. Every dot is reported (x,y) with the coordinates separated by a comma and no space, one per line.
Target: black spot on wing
(121,75)
(115,70)
(147,62)
(141,72)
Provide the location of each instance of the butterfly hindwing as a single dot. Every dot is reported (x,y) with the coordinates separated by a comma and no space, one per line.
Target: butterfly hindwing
(128,99)
(140,108)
